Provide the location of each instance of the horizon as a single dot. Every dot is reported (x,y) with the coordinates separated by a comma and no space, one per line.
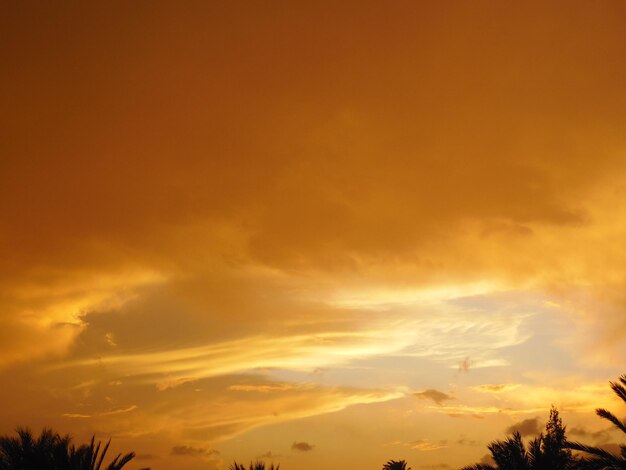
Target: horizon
(323,234)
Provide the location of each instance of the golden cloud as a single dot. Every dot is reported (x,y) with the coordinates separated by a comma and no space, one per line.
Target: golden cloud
(326,190)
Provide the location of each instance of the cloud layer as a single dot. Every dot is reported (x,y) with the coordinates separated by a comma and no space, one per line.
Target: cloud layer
(219,219)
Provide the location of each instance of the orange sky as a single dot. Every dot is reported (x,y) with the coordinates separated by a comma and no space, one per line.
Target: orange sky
(329,234)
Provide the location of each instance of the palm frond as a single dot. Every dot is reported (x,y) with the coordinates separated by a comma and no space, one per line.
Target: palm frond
(606,414)
(258,465)
(396,465)
(104,451)
(619,389)
(119,461)
(601,455)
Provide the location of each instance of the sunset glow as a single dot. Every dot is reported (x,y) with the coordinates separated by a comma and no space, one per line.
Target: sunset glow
(322,234)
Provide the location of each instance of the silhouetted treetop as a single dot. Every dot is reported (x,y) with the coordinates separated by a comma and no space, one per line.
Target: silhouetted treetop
(51,451)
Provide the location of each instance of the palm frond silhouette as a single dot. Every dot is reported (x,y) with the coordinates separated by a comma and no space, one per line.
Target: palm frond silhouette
(545,452)
(396,465)
(510,453)
(258,465)
(90,457)
(51,451)
(599,457)
(26,451)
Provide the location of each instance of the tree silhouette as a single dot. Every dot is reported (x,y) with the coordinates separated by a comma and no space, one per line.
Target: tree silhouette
(89,457)
(258,465)
(396,465)
(510,454)
(26,452)
(50,451)
(548,451)
(602,459)
(545,452)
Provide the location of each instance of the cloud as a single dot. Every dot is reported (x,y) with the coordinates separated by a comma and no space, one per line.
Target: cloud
(155,236)
(496,388)
(302,446)
(317,344)
(424,445)
(115,411)
(527,427)
(261,388)
(460,411)
(76,415)
(464,441)
(465,415)
(193,451)
(464,365)
(49,311)
(434,395)
(208,410)
(603,436)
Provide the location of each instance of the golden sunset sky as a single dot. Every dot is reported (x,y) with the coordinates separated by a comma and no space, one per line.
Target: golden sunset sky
(326,234)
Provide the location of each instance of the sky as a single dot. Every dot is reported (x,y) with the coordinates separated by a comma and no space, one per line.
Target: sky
(323,234)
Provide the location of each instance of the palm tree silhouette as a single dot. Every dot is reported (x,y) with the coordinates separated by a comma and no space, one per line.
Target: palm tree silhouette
(396,465)
(26,452)
(258,465)
(510,453)
(602,459)
(89,457)
(545,452)
(50,451)
(548,451)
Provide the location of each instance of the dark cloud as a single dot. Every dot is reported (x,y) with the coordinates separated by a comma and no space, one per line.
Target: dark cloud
(464,365)
(302,446)
(193,451)
(527,427)
(281,170)
(576,431)
(600,437)
(434,395)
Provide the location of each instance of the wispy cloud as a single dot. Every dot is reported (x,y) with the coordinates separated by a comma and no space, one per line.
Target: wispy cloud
(496,388)
(423,445)
(262,388)
(112,412)
(189,451)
